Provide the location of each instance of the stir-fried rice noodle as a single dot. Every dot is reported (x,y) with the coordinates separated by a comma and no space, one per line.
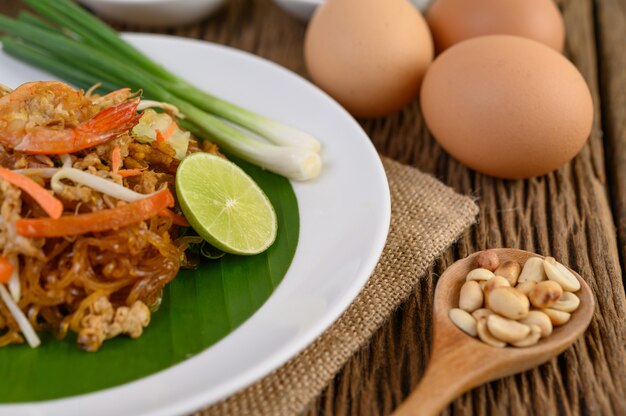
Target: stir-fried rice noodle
(96,285)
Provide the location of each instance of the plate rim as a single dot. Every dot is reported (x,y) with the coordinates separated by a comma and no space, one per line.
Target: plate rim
(298,344)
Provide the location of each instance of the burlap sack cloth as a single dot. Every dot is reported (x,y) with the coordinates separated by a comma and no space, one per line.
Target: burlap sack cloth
(426,217)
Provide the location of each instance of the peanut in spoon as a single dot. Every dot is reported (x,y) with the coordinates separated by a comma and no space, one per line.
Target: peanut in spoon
(460,362)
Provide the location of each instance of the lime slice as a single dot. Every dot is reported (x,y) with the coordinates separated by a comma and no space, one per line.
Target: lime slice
(224,205)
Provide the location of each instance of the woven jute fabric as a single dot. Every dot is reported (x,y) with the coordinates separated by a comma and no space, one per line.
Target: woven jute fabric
(426,217)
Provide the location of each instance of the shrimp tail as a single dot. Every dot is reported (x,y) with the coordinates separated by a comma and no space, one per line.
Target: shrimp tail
(107,124)
(104,126)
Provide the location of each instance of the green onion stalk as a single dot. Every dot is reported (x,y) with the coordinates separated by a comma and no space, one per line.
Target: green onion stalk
(72,44)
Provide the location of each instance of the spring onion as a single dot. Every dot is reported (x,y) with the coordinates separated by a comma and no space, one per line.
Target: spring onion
(93,31)
(78,47)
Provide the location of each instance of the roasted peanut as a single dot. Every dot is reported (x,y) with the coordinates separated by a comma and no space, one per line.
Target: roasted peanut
(471,297)
(545,294)
(485,336)
(539,319)
(569,276)
(464,321)
(495,300)
(568,302)
(508,302)
(531,339)
(532,270)
(506,330)
(560,275)
(488,259)
(497,281)
(481,313)
(526,287)
(480,274)
(510,270)
(557,317)
(490,285)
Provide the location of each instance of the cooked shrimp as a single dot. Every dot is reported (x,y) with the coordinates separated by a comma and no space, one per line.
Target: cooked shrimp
(4,90)
(53,118)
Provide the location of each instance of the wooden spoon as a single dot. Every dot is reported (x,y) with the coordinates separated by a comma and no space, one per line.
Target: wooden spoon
(460,362)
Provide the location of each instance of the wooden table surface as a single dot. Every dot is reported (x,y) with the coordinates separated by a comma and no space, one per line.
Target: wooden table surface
(577,214)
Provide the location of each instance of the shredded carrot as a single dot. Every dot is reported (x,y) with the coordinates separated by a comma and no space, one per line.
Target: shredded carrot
(48,202)
(98,221)
(125,173)
(159,136)
(116,159)
(6,270)
(170,130)
(176,219)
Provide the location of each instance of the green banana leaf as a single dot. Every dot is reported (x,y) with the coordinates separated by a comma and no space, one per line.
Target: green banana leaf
(199,308)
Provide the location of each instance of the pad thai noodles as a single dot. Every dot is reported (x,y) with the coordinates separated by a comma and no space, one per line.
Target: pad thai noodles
(89,228)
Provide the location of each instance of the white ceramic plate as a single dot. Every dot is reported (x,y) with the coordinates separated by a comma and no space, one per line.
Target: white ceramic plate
(344,218)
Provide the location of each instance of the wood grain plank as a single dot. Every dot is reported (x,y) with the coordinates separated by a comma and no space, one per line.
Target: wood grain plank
(611,39)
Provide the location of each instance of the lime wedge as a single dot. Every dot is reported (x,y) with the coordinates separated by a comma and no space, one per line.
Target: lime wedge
(224,205)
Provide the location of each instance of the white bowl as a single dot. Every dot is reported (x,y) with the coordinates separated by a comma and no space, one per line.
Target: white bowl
(154,13)
(304,9)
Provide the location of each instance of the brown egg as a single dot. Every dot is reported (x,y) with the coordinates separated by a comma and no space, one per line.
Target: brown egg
(507,106)
(370,55)
(453,21)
